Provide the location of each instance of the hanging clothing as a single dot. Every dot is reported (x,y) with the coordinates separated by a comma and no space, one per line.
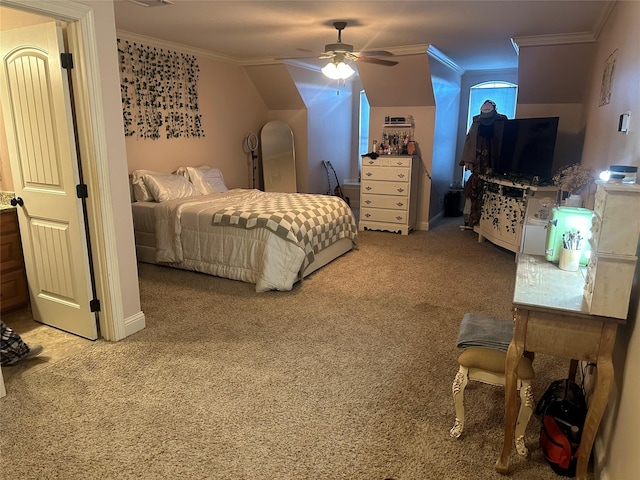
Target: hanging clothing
(480,155)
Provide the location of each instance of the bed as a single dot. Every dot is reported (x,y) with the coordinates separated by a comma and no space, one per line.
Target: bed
(269,239)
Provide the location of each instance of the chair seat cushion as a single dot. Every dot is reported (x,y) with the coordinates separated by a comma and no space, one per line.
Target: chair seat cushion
(493,361)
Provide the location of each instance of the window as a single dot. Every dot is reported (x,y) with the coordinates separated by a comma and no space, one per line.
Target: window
(364,123)
(502,93)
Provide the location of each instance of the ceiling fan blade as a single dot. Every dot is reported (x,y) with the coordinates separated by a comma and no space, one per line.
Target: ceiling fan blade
(377,61)
(375,53)
(303,57)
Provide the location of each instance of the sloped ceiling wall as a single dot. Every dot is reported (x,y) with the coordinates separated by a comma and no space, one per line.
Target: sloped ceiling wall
(553,80)
(406,84)
(554,73)
(276,87)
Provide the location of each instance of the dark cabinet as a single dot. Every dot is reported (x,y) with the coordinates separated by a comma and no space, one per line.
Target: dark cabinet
(14,291)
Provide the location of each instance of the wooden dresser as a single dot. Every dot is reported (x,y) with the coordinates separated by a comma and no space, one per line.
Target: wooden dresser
(14,291)
(389,193)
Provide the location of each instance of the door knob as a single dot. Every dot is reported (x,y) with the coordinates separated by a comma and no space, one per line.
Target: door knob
(17,201)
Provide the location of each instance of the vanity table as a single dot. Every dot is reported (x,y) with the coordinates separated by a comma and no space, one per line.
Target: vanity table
(552,317)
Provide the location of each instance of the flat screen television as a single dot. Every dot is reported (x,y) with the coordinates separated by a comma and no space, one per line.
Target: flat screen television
(527,147)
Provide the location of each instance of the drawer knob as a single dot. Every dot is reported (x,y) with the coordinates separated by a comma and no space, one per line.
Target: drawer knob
(17,201)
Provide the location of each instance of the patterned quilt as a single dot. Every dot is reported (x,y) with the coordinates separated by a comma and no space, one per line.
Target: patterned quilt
(309,220)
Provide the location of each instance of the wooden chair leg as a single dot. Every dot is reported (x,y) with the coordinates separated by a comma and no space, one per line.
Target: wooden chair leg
(527,403)
(459,384)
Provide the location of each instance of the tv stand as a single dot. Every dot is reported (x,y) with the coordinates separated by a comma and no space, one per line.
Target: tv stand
(505,206)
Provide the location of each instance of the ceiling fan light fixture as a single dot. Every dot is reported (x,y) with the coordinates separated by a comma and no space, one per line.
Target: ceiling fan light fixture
(337,70)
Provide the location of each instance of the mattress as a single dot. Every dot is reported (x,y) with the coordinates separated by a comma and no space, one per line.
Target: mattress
(182,234)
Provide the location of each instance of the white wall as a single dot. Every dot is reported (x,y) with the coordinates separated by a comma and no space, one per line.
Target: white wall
(329,131)
(619,436)
(446,89)
(231,108)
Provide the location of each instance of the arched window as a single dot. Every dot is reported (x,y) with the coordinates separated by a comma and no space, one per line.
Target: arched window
(504,95)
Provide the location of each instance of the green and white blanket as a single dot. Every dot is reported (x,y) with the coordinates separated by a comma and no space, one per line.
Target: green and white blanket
(310,221)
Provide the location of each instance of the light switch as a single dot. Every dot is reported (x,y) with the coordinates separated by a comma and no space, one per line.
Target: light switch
(623,124)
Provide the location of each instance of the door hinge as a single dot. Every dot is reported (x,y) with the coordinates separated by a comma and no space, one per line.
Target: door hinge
(82,191)
(66,59)
(94,305)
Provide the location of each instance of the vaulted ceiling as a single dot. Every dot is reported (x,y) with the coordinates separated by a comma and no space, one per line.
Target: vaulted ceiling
(473,35)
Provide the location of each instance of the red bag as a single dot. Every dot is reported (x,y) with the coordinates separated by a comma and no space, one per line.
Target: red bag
(560,453)
(563,410)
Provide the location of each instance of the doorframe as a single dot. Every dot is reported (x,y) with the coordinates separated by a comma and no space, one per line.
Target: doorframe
(92,143)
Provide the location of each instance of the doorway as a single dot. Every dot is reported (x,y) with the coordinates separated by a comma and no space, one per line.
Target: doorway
(98,141)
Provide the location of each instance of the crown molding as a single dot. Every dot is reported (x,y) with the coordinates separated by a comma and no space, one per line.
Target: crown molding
(557,39)
(602,19)
(199,52)
(436,54)
(408,49)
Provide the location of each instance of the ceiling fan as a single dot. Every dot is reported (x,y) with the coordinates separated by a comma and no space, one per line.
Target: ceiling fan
(340,51)
(341,54)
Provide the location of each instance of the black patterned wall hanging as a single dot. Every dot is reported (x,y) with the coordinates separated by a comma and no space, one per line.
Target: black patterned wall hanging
(159,91)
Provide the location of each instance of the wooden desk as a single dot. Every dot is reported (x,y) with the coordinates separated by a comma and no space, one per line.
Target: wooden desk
(551,317)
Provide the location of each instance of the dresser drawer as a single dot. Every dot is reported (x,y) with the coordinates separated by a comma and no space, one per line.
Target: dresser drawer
(384,215)
(396,174)
(387,161)
(384,188)
(616,233)
(608,283)
(394,202)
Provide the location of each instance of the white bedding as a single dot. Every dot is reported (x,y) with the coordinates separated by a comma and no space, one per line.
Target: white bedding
(186,238)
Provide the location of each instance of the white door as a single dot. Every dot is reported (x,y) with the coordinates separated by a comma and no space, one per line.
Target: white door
(40,136)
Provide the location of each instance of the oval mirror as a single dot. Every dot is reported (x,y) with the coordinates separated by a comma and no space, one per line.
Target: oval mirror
(278,158)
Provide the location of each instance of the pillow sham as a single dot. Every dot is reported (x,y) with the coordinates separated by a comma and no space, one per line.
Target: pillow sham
(166,186)
(207,181)
(140,191)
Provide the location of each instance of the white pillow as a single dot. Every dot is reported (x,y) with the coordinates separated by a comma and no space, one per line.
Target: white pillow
(183,170)
(140,191)
(207,181)
(165,186)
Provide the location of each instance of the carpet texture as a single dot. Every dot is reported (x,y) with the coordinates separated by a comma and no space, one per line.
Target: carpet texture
(346,377)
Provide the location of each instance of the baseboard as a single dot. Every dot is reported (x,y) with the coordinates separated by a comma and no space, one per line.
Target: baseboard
(599,460)
(435,220)
(422,226)
(134,323)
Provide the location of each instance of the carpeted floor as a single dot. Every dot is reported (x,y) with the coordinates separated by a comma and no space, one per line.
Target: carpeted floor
(346,377)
